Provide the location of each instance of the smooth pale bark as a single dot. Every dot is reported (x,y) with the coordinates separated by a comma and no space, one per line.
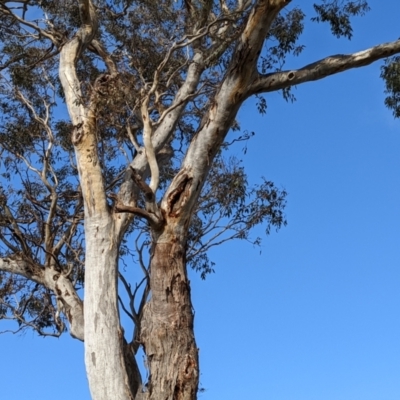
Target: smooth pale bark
(105,350)
(104,342)
(106,359)
(321,69)
(72,305)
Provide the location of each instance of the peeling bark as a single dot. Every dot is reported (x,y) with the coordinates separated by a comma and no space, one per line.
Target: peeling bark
(167,325)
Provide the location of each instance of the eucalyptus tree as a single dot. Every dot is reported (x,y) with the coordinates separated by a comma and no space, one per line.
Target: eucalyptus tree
(136,166)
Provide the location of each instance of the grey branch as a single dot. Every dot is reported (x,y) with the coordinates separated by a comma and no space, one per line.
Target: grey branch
(322,68)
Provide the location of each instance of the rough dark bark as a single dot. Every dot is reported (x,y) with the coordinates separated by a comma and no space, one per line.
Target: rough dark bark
(167,326)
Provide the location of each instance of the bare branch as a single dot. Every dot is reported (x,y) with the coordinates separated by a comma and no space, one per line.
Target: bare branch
(6,11)
(96,47)
(46,168)
(139,250)
(134,315)
(17,265)
(154,221)
(148,144)
(125,310)
(69,232)
(16,231)
(133,139)
(323,68)
(175,105)
(24,324)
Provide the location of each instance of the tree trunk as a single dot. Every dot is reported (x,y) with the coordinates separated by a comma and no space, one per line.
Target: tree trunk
(167,325)
(105,349)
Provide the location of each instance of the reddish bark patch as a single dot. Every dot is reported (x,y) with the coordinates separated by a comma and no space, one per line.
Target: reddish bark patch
(177,198)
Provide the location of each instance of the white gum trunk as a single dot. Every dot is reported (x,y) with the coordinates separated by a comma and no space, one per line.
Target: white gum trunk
(105,349)
(104,357)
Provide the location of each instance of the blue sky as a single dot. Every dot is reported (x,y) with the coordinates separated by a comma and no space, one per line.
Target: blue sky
(316,314)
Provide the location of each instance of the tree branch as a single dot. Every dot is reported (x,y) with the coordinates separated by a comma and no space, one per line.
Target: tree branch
(60,285)
(17,265)
(222,111)
(70,54)
(246,55)
(96,47)
(42,32)
(148,126)
(83,117)
(323,68)
(166,128)
(151,218)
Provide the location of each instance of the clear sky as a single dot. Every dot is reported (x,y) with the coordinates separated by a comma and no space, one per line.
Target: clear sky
(316,314)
